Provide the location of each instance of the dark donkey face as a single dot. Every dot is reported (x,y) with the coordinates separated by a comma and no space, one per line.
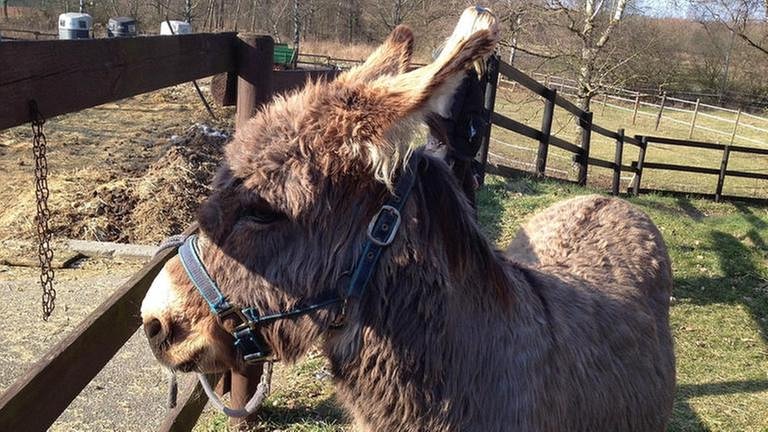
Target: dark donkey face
(301,181)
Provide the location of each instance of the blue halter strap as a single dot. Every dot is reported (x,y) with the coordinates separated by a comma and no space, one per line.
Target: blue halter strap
(382,231)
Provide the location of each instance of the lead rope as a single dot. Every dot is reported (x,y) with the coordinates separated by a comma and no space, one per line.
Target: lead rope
(262,391)
(44,251)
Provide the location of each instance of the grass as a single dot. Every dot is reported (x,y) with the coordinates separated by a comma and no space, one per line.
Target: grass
(719,315)
(515,150)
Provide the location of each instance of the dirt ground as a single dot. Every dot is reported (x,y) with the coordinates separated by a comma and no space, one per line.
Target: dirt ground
(130,171)
(133,170)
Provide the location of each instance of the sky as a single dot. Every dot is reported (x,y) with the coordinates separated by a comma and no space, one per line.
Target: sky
(664,8)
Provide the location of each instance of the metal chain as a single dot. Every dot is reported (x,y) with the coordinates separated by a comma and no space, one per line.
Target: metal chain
(45,253)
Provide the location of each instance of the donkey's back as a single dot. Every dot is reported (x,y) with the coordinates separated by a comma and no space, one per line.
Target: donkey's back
(601,269)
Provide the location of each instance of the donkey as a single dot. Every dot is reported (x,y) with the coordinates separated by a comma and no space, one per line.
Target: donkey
(444,333)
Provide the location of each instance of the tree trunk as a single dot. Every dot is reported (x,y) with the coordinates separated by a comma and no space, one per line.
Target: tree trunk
(296,24)
(237,13)
(586,75)
(726,68)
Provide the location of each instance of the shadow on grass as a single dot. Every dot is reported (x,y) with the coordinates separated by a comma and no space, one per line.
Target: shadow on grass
(327,412)
(741,283)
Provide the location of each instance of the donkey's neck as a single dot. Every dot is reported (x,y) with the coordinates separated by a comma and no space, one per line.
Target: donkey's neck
(437,295)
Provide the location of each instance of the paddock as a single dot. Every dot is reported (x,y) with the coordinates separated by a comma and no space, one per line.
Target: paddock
(119,69)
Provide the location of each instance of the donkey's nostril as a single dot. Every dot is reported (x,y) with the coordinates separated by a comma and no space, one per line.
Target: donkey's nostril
(154,329)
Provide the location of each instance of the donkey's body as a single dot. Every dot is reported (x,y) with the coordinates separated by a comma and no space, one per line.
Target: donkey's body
(583,346)
(451,335)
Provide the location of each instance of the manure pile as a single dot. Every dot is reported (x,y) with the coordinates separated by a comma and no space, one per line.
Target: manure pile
(141,204)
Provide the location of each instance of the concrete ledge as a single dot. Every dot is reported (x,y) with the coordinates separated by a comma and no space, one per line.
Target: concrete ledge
(112,250)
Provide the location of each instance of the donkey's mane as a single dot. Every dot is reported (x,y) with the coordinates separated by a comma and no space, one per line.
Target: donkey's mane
(447,221)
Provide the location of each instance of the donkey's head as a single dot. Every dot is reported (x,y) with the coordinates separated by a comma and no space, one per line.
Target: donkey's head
(293,199)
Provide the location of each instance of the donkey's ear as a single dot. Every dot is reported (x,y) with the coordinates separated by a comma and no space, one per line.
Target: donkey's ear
(422,89)
(391,58)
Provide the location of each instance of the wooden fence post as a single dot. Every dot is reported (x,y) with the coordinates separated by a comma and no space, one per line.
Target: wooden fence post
(617,162)
(661,110)
(254,88)
(640,161)
(586,136)
(489,103)
(637,107)
(693,119)
(546,132)
(254,71)
(736,126)
(723,169)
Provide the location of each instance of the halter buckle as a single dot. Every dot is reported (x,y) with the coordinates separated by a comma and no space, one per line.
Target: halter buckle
(386,221)
(233,311)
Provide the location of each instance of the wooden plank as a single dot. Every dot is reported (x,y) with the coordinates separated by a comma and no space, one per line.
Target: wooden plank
(515,126)
(568,106)
(489,103)
(601,163)
(224,86)
(69,75)
(640,163)
(743,174)
(694,118)
(254,88)
(604,132)
(685,143)
(254,72)
(661,110)
(546,132)
(633,141)
(683,168)
(721,175)
(191,403)
(617,158)
(585,121)
(515,74)
(37,399)
(565,145)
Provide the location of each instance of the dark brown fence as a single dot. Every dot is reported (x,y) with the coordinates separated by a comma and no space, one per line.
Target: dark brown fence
(581,153)
(67,76)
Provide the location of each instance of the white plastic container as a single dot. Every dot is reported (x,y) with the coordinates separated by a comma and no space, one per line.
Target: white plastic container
(178,27)
(75,25)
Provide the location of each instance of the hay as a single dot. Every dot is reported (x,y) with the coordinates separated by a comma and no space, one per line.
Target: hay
(140,205)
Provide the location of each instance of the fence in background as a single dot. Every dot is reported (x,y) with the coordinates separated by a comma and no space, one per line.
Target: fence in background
(724,122)
(552,98)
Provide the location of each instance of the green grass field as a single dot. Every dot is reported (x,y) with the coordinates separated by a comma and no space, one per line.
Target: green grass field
(515,150)
(719,313)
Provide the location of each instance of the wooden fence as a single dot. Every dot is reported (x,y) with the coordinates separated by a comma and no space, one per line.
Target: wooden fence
(724,122)
(67,76)
(581,154)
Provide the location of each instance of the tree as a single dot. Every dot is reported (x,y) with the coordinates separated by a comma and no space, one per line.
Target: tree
(576,34)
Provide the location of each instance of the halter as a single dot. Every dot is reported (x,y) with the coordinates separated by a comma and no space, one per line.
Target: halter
(249,341)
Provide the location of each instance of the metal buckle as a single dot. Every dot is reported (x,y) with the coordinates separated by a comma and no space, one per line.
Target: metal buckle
(221,316)
(392,229)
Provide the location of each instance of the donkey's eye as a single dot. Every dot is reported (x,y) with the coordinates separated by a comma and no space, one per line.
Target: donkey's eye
(261,216)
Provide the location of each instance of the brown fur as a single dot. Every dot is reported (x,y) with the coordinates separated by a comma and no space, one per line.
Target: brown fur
(451,335)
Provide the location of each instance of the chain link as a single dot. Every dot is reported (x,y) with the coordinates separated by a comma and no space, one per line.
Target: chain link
(45,253)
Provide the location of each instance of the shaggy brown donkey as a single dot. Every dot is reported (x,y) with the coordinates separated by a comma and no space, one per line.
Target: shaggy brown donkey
(451,335)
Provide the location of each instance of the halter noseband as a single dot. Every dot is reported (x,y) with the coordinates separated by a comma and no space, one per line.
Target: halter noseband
(249,341)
